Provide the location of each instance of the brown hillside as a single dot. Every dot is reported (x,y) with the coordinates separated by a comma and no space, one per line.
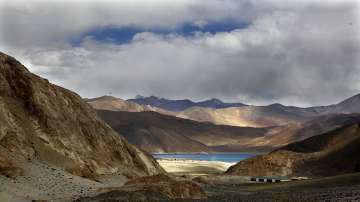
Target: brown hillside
(43,121)
(332,153)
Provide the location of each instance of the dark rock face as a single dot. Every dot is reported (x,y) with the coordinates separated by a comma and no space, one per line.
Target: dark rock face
(333,153)
(41,120)
(8,169)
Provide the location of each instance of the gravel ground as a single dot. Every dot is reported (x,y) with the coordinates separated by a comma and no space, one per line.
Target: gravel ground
(236,194)
(346,193)
(332,189)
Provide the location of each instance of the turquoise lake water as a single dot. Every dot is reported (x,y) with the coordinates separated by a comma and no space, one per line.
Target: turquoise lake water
(224,157)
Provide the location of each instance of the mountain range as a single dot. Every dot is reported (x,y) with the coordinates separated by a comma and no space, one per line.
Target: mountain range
(350,105)
(215,130)
(239,114)
(180,105)
(158,133)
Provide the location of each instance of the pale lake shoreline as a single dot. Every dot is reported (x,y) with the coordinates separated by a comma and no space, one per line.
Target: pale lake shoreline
(169,153)
(193,167)
(196,164)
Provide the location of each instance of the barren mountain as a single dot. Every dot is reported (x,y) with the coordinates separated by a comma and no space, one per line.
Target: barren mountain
(111,103)
(332,153)
(348,106)
(44,123)
(233,114)
(247,116)
(155,132)
(323,124)
(238,114)
(207,111)
(116,104)
(180,105)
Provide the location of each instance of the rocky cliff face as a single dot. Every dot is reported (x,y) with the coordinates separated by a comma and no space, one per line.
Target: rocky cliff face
(47,122)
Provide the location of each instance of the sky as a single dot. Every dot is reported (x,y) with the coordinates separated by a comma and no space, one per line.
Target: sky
(299,52)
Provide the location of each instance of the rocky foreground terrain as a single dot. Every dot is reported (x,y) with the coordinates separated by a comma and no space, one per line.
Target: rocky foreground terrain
(338,188)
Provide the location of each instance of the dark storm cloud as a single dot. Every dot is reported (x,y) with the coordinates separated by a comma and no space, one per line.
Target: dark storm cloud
(298,53)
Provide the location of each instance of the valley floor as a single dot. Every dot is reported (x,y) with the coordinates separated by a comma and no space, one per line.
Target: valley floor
(193,167)
(50,183)
(339,188)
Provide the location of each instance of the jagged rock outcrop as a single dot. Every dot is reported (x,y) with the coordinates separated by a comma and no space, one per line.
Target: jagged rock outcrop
(47,122)
(333,153)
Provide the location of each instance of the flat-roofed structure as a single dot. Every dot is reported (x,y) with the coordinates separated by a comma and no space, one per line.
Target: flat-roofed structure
(269,179)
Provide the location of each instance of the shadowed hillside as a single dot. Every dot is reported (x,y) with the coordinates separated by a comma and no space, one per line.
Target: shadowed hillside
(155,132)
(332,153)
(247,116)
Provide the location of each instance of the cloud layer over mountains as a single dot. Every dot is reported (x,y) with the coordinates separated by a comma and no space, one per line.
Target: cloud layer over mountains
(298,52)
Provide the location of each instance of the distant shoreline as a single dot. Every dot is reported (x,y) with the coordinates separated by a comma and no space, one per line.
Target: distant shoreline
(193,167)
(172,153)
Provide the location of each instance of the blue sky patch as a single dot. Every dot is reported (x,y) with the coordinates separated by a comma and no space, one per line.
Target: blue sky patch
(121,35)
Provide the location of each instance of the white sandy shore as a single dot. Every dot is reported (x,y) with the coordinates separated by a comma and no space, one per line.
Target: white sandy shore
(193,167)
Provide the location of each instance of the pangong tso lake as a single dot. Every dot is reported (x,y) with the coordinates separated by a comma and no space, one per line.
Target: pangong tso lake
(223,157)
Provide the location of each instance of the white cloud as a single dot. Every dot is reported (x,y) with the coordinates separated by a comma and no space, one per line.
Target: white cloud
(295,53)
(52,22)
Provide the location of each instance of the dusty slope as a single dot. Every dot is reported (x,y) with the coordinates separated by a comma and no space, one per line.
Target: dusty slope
(153,188)
(111,103)
(323,124)
(116,104)
(155,132)
(246,116)
(43,122)
(332,153)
